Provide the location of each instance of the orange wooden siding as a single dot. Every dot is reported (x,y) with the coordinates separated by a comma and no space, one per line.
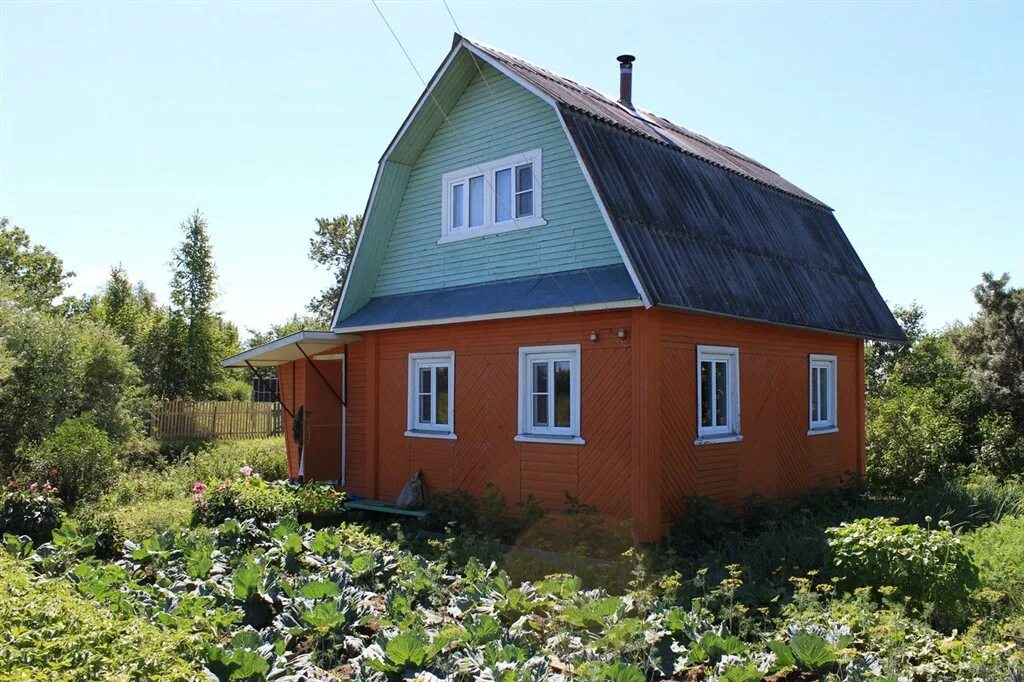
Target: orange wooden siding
(638,414)
(776,456)
(485,413)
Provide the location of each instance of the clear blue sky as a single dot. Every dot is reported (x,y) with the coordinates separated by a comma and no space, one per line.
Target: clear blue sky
(117,120)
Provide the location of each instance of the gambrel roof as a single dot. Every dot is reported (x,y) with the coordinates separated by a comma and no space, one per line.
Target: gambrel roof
(700,226)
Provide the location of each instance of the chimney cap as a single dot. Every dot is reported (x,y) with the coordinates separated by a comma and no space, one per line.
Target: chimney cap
(626,59)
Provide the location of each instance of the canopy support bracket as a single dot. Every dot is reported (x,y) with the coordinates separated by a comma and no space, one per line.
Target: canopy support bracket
(321,375)
(276,395)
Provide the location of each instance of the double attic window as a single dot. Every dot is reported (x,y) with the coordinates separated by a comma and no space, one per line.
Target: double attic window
(490,198)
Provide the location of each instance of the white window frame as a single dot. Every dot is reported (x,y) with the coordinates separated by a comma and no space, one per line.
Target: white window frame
(830,425)
(490,225)
(415,427)
(549,434)
(730,432)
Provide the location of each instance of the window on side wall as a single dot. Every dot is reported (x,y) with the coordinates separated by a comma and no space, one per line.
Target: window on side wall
(718,394)
(822,394)
(493,197)
(432,395)
(549,394)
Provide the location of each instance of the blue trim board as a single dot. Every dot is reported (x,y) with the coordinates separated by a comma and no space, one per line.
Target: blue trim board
(537,292)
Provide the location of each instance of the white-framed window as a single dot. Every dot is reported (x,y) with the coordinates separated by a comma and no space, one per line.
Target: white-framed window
(549,394)
(432,395)
(492,197)
(822,394)
(718,394)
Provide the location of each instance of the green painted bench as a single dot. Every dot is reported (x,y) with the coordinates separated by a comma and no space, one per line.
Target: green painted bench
(384,508)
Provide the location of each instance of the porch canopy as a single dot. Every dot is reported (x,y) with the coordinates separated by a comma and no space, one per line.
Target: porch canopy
(288,348)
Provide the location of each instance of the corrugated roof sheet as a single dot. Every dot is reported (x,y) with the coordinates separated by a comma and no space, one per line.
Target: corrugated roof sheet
(704,239)
(554,290)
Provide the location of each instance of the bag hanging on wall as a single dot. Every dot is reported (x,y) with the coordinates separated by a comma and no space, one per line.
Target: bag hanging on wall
(414,494)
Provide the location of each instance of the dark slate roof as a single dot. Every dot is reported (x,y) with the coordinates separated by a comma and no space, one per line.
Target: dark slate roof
(554,290)
(709,229)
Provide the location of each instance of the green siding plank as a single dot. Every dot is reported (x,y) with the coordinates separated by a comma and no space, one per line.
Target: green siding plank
(575,236)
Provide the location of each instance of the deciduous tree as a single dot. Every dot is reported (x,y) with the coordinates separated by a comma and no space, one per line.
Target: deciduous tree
(332,247)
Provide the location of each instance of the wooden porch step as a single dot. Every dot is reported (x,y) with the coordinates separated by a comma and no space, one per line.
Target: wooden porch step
(383,507)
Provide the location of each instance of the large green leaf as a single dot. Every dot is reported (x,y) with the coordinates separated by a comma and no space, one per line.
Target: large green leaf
(405,650)
(812,652)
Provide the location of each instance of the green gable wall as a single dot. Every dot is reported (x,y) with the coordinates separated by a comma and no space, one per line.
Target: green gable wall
(493,119)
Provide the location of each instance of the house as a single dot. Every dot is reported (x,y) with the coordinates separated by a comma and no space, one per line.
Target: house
(557,292)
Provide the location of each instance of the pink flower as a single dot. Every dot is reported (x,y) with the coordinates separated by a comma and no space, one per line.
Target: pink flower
(47,488)
(199,488)
(246,471)
(34,487)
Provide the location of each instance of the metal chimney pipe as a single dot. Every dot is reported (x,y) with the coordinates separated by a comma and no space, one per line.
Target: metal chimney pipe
(626,79)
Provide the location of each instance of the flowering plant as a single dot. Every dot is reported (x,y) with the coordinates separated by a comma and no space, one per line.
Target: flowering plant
(29,508)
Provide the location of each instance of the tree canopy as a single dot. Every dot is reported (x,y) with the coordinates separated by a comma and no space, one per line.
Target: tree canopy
(34,274)
(332,246)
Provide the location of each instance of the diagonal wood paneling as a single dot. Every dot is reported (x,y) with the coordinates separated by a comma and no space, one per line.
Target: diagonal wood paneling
(604,468)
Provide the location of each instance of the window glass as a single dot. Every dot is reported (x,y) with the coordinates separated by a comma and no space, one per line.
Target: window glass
(823,393)
(524,190)
(540,394)
(705,394)
(503,195)
(458,208)
(815,394)
(441,383)
(476,201)
(562,394)
(721,398)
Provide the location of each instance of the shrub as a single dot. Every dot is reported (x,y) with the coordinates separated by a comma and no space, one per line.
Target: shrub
(29,509)
(248,498)
(912,438)
(924,565)
(314,498)
(1002,447)
(78,459)
(63,371)
(488,515)
(222,459)
(53,633)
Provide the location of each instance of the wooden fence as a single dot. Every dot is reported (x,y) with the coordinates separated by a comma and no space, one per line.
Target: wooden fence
(215,419)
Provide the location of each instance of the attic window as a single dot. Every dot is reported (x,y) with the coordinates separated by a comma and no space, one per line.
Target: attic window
(491,198)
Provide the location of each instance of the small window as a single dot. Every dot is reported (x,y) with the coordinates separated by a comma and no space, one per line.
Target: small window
(718,393)
(431,394)
(549,393)
(822,393)
(493,197)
